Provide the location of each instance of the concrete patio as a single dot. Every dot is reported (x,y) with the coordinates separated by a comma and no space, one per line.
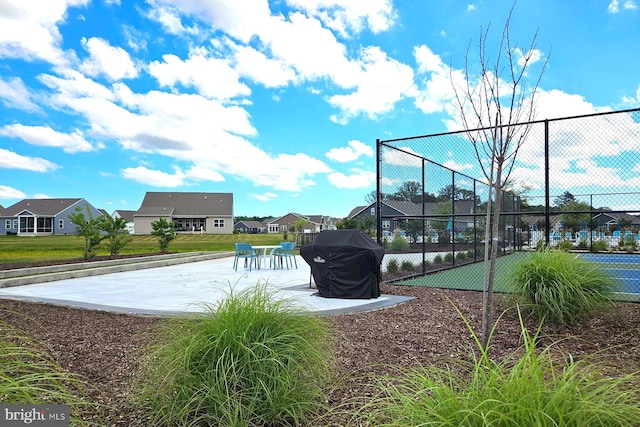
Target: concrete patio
(175,285)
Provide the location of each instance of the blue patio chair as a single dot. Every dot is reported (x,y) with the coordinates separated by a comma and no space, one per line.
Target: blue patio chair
(245,251)
(284,254)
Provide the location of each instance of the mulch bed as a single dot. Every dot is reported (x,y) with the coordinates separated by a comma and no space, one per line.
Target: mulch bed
(101,346)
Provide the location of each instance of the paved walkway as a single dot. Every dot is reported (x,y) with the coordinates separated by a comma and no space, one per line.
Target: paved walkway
(187,287)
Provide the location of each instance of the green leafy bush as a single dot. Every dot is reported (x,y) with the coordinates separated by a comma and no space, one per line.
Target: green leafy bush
(406,265)
(599,246)
(565,246)
(528,388)
(561,287)
(437,259)
(448,257)
(165,232)
(250,361)
(461,255)
(399,244)
(392,266)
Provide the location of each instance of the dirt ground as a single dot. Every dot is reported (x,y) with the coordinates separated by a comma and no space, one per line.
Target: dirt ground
(101,346)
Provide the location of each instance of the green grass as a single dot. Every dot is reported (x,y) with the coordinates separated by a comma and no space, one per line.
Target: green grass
(560,287)
(531,388)
(15,249)
(251,361)
(29,375)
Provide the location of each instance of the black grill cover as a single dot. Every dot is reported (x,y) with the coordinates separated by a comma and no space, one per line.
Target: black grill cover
(345,264)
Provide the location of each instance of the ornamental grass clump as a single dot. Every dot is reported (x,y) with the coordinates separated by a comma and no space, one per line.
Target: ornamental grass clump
(529,388)
(29,375)
(250,360)
(562,288)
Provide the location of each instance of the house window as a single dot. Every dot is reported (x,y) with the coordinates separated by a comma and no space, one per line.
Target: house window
(7,224)
(273,228)
(373,211)
(386,224)
(27,224)
(189,224)
(45,225)
(218,223)
(61,224)
(15,224)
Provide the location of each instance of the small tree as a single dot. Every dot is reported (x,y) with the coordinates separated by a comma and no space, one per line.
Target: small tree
(165,231)
(90,228)
(496,107)
(117,234)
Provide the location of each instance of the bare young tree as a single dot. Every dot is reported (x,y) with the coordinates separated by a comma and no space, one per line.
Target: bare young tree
(495,106)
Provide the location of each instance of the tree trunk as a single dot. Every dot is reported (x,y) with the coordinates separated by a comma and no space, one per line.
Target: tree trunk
(489,274)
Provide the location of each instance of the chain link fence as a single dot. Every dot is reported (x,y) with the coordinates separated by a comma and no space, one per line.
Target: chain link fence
(575,183)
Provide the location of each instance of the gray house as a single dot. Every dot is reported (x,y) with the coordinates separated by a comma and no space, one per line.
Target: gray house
(252,227)
(396,213)
(210,213)
(43,217)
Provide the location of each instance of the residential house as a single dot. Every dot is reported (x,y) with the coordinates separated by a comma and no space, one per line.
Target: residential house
(127,215)
(313,223)
(395,214)
(33,217)
(210,213)
(253,227)
(611,221)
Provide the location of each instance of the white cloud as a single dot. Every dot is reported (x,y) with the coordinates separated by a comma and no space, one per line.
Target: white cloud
(197,72)
(111,61)
(614,6)
(265,197)
(154,178)
(436,92)
(350,16)
(15,94)
(357,179)
(403,156)
(46,137)
(11,160)
(30,31)
(375,93)
(352,152)
(11,193)
(532,56)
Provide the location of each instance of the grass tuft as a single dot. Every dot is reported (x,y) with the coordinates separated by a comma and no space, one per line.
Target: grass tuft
(248,361)
(529,388)
(561,287)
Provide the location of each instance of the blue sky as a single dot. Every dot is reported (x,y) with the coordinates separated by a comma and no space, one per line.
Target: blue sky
(278,102)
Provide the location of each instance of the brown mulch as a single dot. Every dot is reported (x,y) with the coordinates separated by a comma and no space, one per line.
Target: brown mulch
(101,346)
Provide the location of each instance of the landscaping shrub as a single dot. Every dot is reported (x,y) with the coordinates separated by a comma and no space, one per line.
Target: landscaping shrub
(399,244)
(565,246)
(392,266)
(437,259)
(528,388)
(448,257)
(599,246)
(461,255)
(561,287)
(406,266)
(249,361)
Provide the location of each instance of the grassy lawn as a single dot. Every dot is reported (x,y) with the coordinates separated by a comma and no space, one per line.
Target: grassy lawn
(44,248)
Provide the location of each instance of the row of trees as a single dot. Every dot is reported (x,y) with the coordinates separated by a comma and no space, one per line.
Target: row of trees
(96,230)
